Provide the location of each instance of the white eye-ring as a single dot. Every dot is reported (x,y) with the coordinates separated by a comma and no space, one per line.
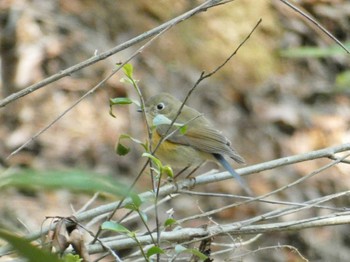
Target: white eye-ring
(160,106)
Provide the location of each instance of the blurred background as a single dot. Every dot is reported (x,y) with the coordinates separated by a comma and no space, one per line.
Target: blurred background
(286,92)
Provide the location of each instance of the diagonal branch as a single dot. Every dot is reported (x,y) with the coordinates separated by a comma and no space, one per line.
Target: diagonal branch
(312,20)
(67,72)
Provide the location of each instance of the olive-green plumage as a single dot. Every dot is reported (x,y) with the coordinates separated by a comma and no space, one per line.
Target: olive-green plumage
(199,143)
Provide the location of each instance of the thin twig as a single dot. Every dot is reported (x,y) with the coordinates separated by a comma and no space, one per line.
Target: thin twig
(312,20)
(202,77)
(91,91)
(184,234)
(276,202)
(258,218)
(89,203)
(260,249)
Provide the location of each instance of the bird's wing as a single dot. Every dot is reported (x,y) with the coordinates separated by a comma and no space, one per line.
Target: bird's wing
(206,139)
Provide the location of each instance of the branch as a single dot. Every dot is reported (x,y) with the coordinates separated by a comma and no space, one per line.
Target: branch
(267,201)
(91,91)
(248,223)
(199,180)
(67,72)
(212,178)
(185,234)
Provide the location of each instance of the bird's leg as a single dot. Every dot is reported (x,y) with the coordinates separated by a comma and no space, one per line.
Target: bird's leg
(181,171)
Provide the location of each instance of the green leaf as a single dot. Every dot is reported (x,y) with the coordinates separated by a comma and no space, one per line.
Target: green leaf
(126,136)
(120,101)
(113,226)
(136,200)
(183,129)
(126,81)
(168,171)
(314,51)
(197,253)
(154,250)
(182,249)
(155,160)
(75,180)
(122,150)
(27,250)
(72,258)
(169,222)
(135,203)
(128,70)
(130,206)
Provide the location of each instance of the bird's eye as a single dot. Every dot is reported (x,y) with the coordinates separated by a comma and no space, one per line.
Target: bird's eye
(160,106)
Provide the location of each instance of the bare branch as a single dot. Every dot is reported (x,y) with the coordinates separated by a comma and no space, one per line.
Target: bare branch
(275,202)
(205,179)
(260,249)
(67,72)
(184,234)
(91,91)
(312,20)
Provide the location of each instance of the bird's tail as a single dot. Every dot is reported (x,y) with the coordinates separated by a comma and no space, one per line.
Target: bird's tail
(229,168)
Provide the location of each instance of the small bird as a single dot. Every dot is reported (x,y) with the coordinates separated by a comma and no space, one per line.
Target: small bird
(199,142)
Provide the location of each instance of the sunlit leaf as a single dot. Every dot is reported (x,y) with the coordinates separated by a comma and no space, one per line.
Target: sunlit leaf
(72,258)
(126,80)
(126,136)
(154,250)
(24,248)
(168,171)
(155,160)
(169,222)
(120,101)
(183,129)
(314,51)
(113,226)
(128,70)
